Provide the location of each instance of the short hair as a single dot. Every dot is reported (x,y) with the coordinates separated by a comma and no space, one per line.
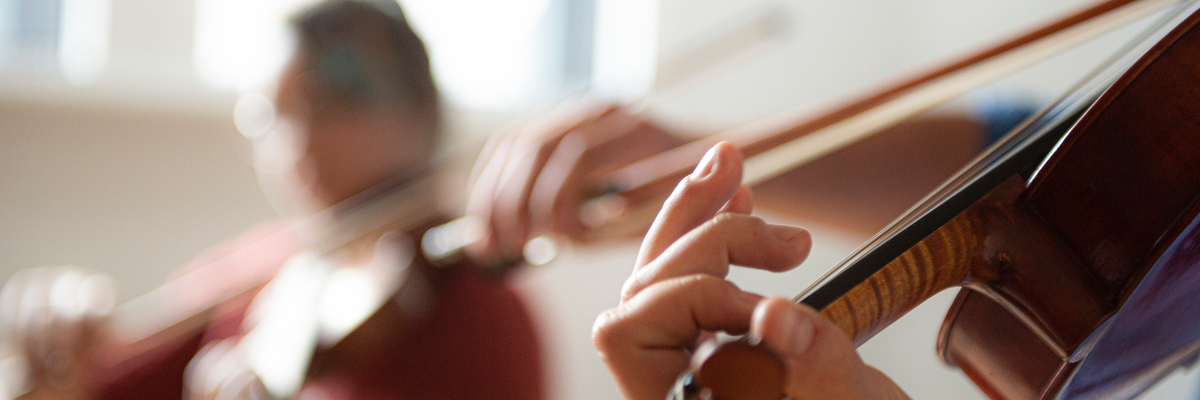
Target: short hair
(365,50)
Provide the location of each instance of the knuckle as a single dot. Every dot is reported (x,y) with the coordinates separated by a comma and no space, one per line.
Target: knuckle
(701,284)
(731,222)
(723,221)
(742,223)
(678,198)
(608,329)
(689,187)
(631,287)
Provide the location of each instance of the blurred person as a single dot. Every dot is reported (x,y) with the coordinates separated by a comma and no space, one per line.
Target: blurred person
(356,110)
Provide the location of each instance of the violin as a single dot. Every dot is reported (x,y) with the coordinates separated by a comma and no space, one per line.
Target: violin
(1076,240)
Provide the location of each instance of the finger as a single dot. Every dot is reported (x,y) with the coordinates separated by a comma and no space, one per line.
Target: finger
(564,114)
(483,196)
(243,385)
(46,314)
(822,362)
(524,162)
(645,341)
(571,173)
(728,238)
(560,188)
(742,202)
(96,299)
(207,371)
(66,308)
(695,200)
(491,149)
(64,331)
(10,307)
(34,317)
(511,212)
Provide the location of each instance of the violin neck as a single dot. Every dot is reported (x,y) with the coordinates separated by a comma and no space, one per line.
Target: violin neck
(940,261)
(996,246)
(934,245)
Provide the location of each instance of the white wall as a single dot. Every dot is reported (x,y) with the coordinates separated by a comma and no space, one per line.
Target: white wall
(133,194)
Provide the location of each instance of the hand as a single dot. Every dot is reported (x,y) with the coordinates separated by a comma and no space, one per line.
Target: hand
(677,295)
(48,318)
(534,179)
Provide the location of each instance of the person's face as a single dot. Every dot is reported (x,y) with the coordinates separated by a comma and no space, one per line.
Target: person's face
(325,148)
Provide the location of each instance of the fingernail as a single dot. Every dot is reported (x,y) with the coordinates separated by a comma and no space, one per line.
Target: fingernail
(796,333)
(707,164)
(786,232)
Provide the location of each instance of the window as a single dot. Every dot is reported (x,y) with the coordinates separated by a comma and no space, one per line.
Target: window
(29,30)
(74,34)
(486,54)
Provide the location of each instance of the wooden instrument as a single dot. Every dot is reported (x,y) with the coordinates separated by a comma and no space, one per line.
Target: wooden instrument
(1080,265)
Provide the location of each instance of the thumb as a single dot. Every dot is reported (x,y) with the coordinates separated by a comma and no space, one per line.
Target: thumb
(821,360)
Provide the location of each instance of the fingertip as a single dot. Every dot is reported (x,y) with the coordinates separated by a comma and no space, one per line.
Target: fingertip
(695,200)
(789,233)
(707,165)
(791,247)
(728,151)
(721,159)
(801,242)
(784,326)
(604,329)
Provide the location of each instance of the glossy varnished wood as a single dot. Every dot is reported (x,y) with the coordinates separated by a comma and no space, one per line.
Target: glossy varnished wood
(1121,195)
(998,351)
(997,247)
(938,262)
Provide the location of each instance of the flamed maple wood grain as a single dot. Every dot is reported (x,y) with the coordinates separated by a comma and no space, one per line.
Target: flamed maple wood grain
(999,248)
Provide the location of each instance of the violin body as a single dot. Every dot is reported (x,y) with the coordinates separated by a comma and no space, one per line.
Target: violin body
(1118,204)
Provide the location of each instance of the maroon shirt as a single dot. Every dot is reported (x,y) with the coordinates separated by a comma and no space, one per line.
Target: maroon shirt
(478,342)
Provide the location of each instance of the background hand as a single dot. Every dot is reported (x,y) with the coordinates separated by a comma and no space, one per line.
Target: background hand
(533,179)
(48,319)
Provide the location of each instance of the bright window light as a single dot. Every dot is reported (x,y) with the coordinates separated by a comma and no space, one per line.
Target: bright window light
(626,48)
(241,45)
(83,40)
(8,30)
(485,53)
